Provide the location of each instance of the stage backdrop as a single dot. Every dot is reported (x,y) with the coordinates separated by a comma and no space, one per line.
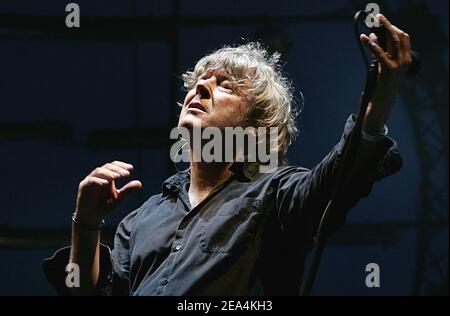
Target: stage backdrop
(73,101)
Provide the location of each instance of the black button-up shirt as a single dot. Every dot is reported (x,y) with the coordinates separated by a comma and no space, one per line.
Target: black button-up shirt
(250,236)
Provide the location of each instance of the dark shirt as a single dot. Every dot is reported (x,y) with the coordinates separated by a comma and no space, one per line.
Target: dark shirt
(250,236)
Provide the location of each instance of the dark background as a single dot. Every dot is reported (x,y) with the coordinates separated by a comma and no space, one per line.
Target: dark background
(74,99)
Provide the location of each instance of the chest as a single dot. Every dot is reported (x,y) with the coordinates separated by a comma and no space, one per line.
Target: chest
(225,223)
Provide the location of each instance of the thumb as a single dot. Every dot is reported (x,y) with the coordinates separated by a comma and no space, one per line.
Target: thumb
(129,188)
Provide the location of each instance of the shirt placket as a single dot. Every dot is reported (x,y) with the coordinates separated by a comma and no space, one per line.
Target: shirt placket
(175,248)
(177,244)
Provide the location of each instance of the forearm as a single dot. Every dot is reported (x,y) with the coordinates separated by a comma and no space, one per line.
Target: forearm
(394,63)
(379,108)
(85,251)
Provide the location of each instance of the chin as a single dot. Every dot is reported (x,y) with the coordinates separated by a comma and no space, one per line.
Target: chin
(191,121)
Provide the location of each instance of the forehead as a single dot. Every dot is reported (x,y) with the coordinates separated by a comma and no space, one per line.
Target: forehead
(235,68)
(219,71)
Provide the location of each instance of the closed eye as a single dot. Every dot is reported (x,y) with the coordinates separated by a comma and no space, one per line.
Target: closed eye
(227,85)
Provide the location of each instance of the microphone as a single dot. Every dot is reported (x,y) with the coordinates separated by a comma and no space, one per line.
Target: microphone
(414,67)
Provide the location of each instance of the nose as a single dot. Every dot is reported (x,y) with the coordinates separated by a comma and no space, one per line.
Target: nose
(203,88)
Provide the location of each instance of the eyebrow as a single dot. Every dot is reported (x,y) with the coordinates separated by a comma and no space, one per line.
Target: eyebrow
(218,72)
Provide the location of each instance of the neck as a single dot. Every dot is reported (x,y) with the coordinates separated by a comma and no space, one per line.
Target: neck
(206,176)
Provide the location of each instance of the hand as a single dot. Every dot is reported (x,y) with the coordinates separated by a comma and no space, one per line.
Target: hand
(394,63)
(98,195)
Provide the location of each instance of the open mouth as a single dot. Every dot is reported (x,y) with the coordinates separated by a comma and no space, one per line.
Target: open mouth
(198,106)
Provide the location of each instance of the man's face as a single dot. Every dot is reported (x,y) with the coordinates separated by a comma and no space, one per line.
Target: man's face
(214,102)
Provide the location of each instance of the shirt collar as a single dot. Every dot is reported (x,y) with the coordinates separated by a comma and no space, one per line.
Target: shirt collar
(174,183)
(243,171)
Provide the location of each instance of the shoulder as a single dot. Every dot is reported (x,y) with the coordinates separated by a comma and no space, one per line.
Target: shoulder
(282,172)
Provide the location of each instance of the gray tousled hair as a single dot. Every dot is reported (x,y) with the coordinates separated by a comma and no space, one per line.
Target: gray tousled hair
(253,70)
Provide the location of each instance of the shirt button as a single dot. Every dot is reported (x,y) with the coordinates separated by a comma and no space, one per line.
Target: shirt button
(164,282)
(257,204)
(177,247)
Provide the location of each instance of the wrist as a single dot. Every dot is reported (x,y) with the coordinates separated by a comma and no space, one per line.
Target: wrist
(374,130)
(372,137)
(88,222)
(373,125)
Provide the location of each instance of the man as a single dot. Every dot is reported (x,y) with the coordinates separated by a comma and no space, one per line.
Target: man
(226,228)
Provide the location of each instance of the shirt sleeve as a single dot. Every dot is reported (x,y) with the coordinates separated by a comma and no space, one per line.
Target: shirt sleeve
(121,255)
(114,265)
(302,195)
(55,271)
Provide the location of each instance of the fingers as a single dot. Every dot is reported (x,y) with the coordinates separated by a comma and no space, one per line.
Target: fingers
(105,173)
(125,191)
(377,51)
(123,165)
(404,38)
(113,171)
(97,193)
(394,38)
(117,169)
(399,40)
(114,192)
(373,37)
(398,54)
(119,195)
(95,181)
(129,188)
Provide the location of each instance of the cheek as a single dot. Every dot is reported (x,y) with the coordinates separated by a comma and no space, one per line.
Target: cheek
(236,113)
(189,96)
(242,109)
